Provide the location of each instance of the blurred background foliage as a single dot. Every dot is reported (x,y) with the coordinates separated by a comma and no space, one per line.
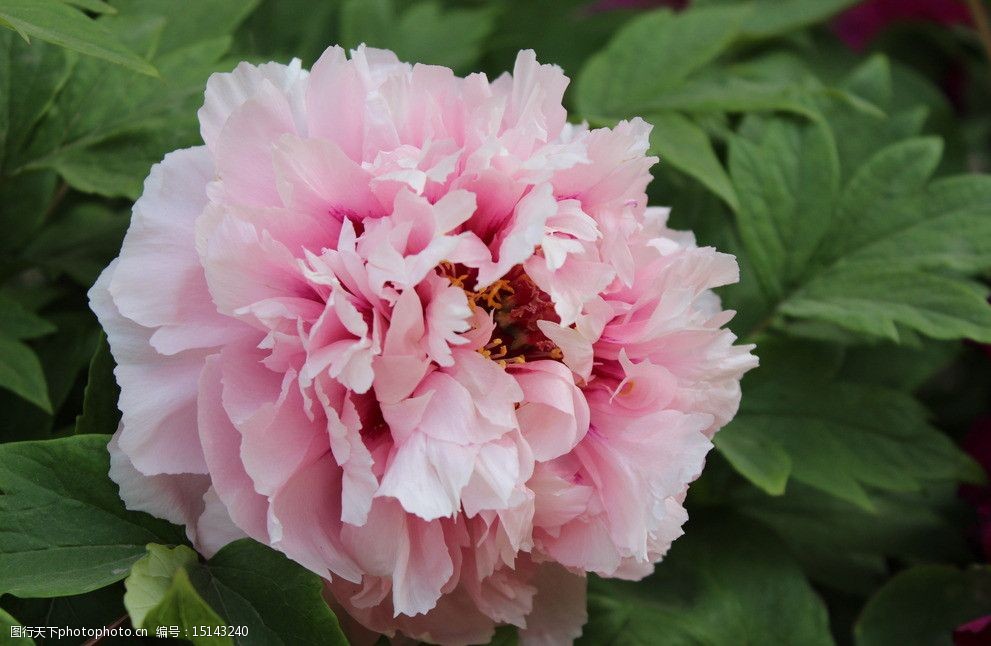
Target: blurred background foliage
(835,146)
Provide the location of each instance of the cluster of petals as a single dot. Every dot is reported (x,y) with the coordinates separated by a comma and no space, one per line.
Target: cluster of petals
(423,336)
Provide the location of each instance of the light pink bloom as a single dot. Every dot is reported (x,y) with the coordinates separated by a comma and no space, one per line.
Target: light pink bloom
(423,336)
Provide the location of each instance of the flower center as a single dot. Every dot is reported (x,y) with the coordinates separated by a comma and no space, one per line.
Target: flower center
(516,304)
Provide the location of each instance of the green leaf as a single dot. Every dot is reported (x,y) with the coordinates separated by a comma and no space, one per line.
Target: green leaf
(426,32)
(366,22)
(864,133)
(776,17)
(22,420)
(923,605)
(685,146)
(946,226)
(189,23)
(875,302)
(31,79)
(787,183)
(94,609)
(151,579)
(96,6)
(730,582)
(564,32)
(849,548)
(98,139)
(21,373)
(63,528)
(901,367)
(879,258)
(58,23)
(759,458)
(26,199)
(505,636)
(17,322)
(100,413)
(66,354)
(6,634)
(659,65)
(772,82)
(7,41)
(873,202)
(871,80)
(181,605)
(450,37)
(652,55)
(841,438)
(280,601)
(107,125)
(285,29)
(115,167)
(80,243)
(728,92)
(244,584)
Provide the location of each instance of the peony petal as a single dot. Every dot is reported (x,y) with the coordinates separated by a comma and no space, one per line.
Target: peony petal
(221,442)
(160,283)
(305,521)
(176,498)
(554,415)
(575,346)
(214,527)
(519,240)
(423,566)
(335,102)
(427,475)
(158,393)
(278,438)
(316,177)
(359,483)
(243,150)
(243,265)
(226,92)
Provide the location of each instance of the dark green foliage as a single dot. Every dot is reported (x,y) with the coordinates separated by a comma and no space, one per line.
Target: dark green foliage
(727,581)
(64,531)
(923,605)
(244,584)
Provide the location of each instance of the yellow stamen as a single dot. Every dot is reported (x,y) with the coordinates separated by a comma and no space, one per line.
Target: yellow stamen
(497,300)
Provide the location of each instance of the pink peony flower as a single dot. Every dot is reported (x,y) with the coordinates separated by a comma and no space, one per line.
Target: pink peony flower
(423,336)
